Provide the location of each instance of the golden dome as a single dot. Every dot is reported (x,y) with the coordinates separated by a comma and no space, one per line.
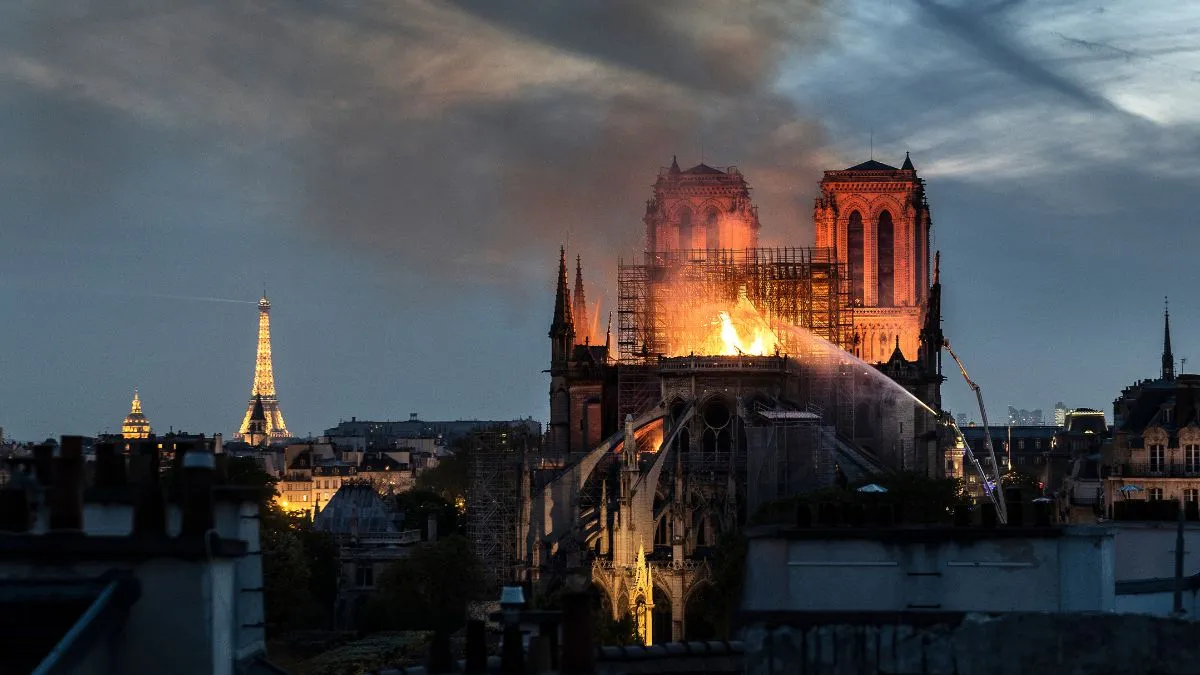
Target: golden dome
(136,425)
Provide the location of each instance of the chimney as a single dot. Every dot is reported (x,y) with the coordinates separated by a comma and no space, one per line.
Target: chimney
(43,459)
(197,500)
(110,466)
(431,527)
(150,513)
(579,654)
(15,515)
(66,495)
(476,657)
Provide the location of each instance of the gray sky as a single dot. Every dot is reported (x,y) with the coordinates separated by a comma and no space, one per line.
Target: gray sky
(400,175)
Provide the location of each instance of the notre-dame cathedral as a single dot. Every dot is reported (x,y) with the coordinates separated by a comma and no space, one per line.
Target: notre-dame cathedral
(732,380)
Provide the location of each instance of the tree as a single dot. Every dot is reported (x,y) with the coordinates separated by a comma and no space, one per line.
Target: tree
(417,504)
(430,588)
(449,479)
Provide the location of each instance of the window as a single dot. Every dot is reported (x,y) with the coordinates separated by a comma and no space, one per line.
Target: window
(1037,444)
(1156,494)
(886,261)
(1020,443)
(1191,457)
(364,575)
(1157,458)
(1191,494)
(685,229)
(855,261)
(712,230)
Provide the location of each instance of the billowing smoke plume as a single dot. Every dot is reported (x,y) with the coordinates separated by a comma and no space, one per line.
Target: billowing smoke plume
(456,140)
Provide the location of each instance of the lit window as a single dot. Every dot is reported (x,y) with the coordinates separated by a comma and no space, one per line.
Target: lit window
(1156,494)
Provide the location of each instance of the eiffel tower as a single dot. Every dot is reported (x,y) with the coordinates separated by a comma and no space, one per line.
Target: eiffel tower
(264,380)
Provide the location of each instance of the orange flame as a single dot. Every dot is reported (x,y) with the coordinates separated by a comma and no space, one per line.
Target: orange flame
(717,331)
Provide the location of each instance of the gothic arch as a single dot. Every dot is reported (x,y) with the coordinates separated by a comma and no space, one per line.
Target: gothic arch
(884,202)
(850,203)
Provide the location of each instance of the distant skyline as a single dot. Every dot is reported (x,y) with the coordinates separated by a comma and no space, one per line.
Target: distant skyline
(401,175)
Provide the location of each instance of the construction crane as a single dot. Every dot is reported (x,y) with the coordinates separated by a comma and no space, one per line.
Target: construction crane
(993,488)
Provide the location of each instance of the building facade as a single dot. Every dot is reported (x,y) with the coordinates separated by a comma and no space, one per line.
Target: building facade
(876,217)
(1155,453)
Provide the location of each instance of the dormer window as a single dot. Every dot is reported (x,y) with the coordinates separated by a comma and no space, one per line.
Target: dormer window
(1168,415)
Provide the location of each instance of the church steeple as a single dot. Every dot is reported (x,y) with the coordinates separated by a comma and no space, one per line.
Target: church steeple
(908,165)
(1168,359)
(583,331)
(562,329)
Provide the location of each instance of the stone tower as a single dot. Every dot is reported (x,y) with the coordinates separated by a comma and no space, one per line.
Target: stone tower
(877,219)
(701,208)
(262,391)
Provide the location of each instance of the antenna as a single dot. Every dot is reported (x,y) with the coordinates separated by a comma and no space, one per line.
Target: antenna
(701,148)
(872,142)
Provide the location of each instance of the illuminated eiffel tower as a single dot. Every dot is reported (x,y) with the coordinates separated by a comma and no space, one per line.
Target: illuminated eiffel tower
(264,380)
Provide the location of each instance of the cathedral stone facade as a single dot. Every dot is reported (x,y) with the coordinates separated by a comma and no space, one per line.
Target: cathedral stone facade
(650,458)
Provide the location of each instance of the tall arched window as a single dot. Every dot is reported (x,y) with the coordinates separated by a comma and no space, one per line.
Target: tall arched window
(712,231)
(886,285)
(918,262)
(685,229)
(854,260)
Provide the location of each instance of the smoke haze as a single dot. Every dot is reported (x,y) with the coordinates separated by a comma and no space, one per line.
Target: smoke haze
(456,141)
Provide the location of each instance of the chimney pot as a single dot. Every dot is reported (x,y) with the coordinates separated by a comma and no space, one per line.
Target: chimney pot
(476,656)
(66,494)
(150,514)
(43,458)
(198,468)
(579,654)
(15,515)
(110,465)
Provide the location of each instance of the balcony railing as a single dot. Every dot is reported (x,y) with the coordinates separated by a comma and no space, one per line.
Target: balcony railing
(1161,469)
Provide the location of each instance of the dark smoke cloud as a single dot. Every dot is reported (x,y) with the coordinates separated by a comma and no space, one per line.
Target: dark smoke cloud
(977,29)
(456,142)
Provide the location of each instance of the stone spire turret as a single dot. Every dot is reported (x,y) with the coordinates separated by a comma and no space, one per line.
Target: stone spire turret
(583,330)
(562,328)
(1168,359)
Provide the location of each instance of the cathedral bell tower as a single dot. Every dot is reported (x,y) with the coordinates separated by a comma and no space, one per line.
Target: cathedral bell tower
(876,218)
(700,209)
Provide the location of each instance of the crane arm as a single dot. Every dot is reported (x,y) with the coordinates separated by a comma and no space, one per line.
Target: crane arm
(993,490)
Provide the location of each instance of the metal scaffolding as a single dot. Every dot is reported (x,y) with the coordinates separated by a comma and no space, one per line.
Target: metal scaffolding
(493,504)
(803,287)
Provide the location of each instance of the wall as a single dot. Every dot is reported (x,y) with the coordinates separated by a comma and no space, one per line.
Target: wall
(1157,603)
(1146,550)
(973,645)
(933,568)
